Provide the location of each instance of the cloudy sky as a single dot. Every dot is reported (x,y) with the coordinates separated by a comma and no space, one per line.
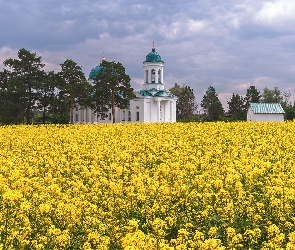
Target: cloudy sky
(227,44)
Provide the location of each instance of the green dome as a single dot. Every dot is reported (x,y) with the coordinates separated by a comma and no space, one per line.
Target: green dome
(94,72)
(153,56)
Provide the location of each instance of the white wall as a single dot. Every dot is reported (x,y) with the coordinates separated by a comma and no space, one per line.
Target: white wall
(137,105)
(86,115)
(264,117)
(147,108)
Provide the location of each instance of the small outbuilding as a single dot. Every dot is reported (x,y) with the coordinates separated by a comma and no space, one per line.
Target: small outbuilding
(263,112)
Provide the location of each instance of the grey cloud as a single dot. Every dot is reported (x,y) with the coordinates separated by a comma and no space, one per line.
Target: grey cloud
(231,44)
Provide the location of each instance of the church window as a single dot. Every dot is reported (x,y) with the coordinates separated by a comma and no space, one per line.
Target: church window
(146,76)
(159,76)
(123,115)
(129,116)
(76,117)
(153,75)
(110,116)
(137,116)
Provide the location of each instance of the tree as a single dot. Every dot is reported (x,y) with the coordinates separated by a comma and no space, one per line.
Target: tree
(272,95)
(111,89)
(252,95)
(10,104)
(74,85)
(287,105)
(236,107)
(186,103)
(24,76)
(46,93)
(59,108)
(286,99)
(289,112)
(211,105)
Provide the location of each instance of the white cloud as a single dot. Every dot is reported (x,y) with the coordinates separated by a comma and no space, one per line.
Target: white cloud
(265,81)
(278,11)
(6,53)
(181,28)
(195,26)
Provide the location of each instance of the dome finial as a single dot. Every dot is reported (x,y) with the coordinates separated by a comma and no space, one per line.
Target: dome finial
(153,48)
(103,58)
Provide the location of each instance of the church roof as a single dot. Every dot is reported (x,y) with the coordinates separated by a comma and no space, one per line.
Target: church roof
(96,70)
(93,73)
(153,56)
(154,92)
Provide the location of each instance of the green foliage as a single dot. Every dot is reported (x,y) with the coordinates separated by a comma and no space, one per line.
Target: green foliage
(271,95)
(211,105)
(28,93)
(192,118)
(252,95)
(186,105)
(236,108)
(289,112)
(111,89)
(23,77)
(47,94)
(74,85)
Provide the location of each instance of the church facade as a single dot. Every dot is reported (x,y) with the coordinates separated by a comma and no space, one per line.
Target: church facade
(153,103)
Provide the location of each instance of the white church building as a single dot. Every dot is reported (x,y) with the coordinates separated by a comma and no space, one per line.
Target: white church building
(153,103)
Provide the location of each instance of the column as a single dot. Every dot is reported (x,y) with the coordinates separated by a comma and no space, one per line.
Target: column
(158,110)
(89,115)
(84,115)
(171,111)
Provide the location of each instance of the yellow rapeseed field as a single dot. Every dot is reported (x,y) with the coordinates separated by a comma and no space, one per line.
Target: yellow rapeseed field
(148,186)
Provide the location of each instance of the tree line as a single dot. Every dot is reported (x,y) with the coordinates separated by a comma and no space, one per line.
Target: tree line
(237,106)
(29,95)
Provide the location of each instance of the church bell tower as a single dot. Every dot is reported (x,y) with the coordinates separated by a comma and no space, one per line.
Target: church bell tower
(153,71)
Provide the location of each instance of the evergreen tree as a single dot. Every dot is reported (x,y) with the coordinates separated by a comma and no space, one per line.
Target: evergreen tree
(59,108)
(252,96)
(236,107)
(74,85)
(111,89)
(24,76)
(11,109)
(186,103)
(211,105)
(47,94)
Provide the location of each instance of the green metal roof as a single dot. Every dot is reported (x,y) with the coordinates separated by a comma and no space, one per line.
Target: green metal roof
(153,56)
(267,108)
(94,72)
(155,92)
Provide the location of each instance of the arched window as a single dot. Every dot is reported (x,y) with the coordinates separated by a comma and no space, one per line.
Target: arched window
(153,75)
(159,76)
(146,76)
